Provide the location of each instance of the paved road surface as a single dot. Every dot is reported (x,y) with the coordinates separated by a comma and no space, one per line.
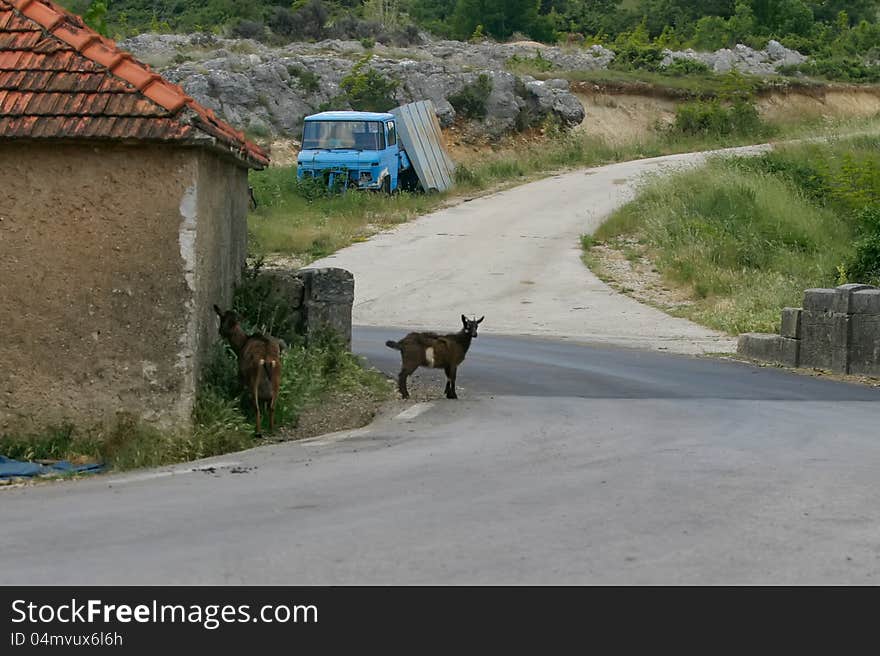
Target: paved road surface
(515,257)
(561,463)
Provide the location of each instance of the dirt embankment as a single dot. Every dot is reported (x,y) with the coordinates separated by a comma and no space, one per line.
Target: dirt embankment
(624,116)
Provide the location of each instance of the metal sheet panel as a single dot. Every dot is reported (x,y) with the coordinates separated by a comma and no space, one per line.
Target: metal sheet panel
(419,132)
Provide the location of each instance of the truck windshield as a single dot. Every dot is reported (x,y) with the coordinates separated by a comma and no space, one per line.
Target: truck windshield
(357,135)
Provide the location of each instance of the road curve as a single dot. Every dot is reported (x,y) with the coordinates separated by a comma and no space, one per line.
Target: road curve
(515,257)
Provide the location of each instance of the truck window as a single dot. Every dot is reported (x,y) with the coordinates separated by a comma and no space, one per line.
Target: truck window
(392,133)
(353,135)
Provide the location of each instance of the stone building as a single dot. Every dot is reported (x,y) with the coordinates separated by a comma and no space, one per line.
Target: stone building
(122,220)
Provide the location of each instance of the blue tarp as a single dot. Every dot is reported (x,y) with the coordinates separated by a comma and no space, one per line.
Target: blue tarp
(17,469)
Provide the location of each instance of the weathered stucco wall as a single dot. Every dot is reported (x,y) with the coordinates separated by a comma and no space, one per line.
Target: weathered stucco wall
(101,249)
(220,246)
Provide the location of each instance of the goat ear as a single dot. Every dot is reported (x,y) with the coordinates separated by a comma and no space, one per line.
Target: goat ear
(218,311)
(480,320)
(464,319)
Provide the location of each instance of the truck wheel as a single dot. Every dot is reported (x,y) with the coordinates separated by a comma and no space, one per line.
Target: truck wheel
(409,181)
(386,185)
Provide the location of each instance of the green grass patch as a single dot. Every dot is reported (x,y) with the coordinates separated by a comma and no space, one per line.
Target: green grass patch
(748,235)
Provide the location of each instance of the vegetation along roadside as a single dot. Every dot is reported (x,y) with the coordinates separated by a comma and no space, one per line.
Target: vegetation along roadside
(743,237)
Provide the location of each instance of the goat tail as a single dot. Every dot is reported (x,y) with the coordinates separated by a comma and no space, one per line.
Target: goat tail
(268,367)
(394,345)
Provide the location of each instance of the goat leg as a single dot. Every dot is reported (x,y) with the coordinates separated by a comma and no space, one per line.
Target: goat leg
(401,383)
(259,431)
(450,383)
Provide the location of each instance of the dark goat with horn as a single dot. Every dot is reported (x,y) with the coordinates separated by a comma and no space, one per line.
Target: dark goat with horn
(436,351)
(259,364)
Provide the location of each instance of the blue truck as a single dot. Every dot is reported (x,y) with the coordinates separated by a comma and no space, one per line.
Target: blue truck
(382,151)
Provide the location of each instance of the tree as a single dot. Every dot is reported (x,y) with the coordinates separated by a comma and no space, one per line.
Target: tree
(857,10)
(499,18)
(96,16)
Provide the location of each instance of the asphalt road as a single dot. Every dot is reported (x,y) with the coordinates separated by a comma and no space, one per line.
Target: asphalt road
(569,457)
(561,463)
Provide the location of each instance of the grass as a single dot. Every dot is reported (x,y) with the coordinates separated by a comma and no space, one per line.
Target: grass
(288,222)
(222,421)
(309,228)
(746,236)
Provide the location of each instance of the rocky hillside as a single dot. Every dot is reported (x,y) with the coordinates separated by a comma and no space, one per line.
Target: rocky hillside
(268,91)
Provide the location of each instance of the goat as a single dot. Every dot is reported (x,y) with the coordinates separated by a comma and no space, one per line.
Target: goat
(436,351)
(259,364)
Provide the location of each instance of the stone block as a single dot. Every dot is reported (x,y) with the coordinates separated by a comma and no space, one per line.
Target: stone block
(329,296)
(791,323)
(843,296)
(865,301)
(864,347)
(286,286)
(769,348)
(819,300)
(816,338)
(329,285)
(840,332)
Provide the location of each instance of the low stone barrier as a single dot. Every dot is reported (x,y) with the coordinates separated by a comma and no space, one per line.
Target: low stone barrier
(320,298)
(836,329)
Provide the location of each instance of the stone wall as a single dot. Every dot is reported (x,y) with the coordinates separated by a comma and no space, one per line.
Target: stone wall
(320,298)
(837,329)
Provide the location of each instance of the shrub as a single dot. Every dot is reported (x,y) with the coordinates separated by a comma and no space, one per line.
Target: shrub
(530,64)
(309,21)
(470,102)
(863,266)
(840,69)
(714,118)
(368,90)
(685,66)
(633,56)
(246,29)
(307,80)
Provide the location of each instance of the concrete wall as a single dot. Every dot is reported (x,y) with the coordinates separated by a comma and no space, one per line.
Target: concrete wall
(110,258)
(837,329)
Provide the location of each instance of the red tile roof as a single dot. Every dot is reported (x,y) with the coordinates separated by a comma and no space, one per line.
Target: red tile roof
(59,79)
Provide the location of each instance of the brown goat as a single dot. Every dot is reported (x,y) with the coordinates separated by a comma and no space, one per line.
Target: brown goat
(436,351)
(259,364)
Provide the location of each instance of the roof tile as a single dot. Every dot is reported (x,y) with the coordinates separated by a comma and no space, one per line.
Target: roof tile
(60,79)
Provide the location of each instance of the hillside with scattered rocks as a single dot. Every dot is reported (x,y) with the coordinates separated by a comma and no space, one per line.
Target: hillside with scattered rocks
(268,90)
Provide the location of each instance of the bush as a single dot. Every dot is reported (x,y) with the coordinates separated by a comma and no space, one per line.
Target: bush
(367,90)
(717,119)
(350,27)
(308,22)
(635,56)
(246,29)
(841,69)
(530,64)
(308,81)
(470,102)
(684,66)
(864,264)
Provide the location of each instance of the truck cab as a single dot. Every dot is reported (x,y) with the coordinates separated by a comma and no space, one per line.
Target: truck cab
(353,150)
